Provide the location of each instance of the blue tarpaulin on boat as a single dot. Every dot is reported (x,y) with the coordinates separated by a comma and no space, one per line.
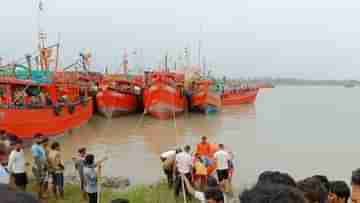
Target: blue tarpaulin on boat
(37,76)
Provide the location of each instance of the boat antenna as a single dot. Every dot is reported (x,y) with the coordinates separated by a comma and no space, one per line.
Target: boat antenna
(166,61)
(28,60)
(199,47)
(57,53)
(187,58)
(125,62)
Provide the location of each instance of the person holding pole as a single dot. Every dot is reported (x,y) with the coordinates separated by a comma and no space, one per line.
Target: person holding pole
(91,177)
(213,193)
(182,166)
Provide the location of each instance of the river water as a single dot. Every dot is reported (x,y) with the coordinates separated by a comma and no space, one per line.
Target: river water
(300,130)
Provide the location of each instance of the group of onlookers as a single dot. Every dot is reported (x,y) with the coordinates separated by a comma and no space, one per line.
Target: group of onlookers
(276,187)
(47,168)
(204,175)
(209,167)
(47,165)
(189,172)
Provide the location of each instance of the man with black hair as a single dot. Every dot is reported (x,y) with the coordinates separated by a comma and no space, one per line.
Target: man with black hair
(17,166)
(168,161)
(272,193)
(208,195)
(313,190)
(79,161)
(222,158)
(182,166)
(56,166)
(276,177)
(324,180)
(40,165)
(355,186)
(339,192)
(214,195)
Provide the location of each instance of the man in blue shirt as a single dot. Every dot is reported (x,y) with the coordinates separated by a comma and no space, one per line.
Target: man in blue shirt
(40,164)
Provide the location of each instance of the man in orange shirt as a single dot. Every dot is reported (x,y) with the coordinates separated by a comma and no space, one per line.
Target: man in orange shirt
(204,149)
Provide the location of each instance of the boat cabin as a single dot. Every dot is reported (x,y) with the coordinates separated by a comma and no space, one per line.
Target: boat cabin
(16,93)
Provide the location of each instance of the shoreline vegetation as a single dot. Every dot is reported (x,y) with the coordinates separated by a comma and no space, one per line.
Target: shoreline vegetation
(154,193)
(296,82)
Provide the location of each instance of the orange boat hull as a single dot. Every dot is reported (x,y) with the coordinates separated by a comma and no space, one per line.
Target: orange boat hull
(25,123)
(163,101)
(111,103)
(206,101)
(236,97)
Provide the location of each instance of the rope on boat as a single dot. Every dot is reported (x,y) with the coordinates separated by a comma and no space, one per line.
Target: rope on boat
(176,135)
(174,118)
(108,122)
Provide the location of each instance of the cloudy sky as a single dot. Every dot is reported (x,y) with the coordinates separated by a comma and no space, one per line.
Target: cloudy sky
(315,39)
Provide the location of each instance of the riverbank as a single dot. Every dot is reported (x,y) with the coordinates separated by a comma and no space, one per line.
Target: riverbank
(155,193)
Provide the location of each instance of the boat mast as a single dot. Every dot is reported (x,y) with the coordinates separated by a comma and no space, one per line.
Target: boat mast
(199,48)
(204,65)
(125,63)
(57,53)
(166,62)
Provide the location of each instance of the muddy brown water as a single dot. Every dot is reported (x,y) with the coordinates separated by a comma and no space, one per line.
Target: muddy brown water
(300,130)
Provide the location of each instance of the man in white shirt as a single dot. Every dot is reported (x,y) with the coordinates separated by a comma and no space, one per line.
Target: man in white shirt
(168,161)
(222,163)
(182,166)
(16,166)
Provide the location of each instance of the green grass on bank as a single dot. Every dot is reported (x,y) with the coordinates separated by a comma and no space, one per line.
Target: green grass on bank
(157,193)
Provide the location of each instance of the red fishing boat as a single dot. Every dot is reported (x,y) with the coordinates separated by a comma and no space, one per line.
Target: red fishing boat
(238,96)
(118,97)
(164,94)
(204,98)
(49,116)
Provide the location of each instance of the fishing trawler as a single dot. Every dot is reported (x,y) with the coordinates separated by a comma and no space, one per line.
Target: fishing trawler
(204,98)
(237,96)
(164,94)
(119,94)
(118,97)
(40,99)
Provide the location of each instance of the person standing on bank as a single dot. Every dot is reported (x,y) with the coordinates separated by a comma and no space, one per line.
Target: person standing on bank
(168,161)
(57,170)
(182,166)
(222,159)
(17,166)
(91,170)
(79,166)
(40,165)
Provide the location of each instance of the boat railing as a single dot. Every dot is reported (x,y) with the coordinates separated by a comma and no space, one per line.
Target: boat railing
(82,100)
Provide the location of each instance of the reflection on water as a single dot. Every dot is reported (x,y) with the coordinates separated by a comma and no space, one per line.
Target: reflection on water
(291,129)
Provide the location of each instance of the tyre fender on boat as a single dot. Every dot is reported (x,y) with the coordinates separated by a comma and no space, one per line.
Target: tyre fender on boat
(57,109)
(71,108)
(83,100)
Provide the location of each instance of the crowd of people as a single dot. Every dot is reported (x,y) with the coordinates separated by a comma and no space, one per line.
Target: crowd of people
(47,169)
(191,173)
(204,174)
(193,180)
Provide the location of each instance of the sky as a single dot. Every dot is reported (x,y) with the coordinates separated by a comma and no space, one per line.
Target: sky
(311,39)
